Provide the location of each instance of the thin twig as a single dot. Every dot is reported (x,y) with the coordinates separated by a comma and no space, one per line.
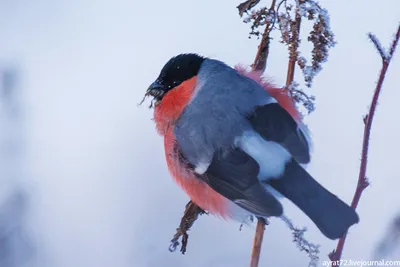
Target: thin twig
(378,46)
(363,183)
(260,62)
(293,50)
(303,244)
(257,243)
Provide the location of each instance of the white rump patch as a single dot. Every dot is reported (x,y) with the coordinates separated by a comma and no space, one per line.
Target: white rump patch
(270,156)
(238,213)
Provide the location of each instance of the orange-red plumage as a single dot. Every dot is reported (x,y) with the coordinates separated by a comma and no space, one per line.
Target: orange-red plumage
(198,191)
(165,114)
(172,105)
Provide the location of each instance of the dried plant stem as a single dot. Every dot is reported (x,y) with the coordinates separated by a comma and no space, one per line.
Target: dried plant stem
(260,65)
(257,243)
(293,51)
(363,183)
(260,62)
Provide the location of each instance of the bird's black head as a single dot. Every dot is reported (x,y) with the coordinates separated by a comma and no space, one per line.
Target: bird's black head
(177,70)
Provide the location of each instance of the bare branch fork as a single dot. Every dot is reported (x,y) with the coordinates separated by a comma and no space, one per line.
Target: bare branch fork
(363,182)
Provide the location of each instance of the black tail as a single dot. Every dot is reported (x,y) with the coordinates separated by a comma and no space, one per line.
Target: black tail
(330,214)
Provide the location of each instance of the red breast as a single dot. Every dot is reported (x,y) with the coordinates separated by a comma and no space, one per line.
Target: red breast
(198,191)
(172,105)
(165,115)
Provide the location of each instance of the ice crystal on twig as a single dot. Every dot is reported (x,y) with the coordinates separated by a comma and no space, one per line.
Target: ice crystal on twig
(301,98)
(287,14)
(302,243)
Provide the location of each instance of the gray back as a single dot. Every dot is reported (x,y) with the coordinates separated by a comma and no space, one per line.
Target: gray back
(217,111)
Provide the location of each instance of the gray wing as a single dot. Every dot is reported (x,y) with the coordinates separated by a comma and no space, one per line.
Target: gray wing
(233,174)
(274,123)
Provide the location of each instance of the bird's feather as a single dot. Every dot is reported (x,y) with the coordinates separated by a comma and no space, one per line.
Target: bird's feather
(275,124)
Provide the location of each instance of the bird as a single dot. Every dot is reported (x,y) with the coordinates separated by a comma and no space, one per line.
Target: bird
(236,148)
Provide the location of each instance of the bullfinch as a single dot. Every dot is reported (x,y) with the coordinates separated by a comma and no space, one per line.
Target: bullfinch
(237,147)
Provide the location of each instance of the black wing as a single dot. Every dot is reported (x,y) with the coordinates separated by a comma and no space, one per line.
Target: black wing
(233,174)
(274,123)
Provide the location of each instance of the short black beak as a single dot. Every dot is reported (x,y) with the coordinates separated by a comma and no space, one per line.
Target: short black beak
(156,89)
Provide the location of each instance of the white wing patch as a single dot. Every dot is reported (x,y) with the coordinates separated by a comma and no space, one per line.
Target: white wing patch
(270,156)
(201,167)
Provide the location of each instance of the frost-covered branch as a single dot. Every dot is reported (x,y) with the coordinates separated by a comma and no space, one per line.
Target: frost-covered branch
(288,14)
(378,46)
(362,179)
(260,61)
(302,243)
(293,45)
(321,37)
(300,97)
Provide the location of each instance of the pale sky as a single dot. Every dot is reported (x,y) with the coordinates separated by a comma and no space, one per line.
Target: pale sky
(100,191)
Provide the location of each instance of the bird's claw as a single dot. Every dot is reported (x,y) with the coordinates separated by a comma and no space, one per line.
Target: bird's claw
(173,245)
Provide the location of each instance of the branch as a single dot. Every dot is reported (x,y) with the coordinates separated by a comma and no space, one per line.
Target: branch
(192,212)
(257,243)
(293,50)
(378,46)
(362,179)
(260,65)
(260,62)
(298,96)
